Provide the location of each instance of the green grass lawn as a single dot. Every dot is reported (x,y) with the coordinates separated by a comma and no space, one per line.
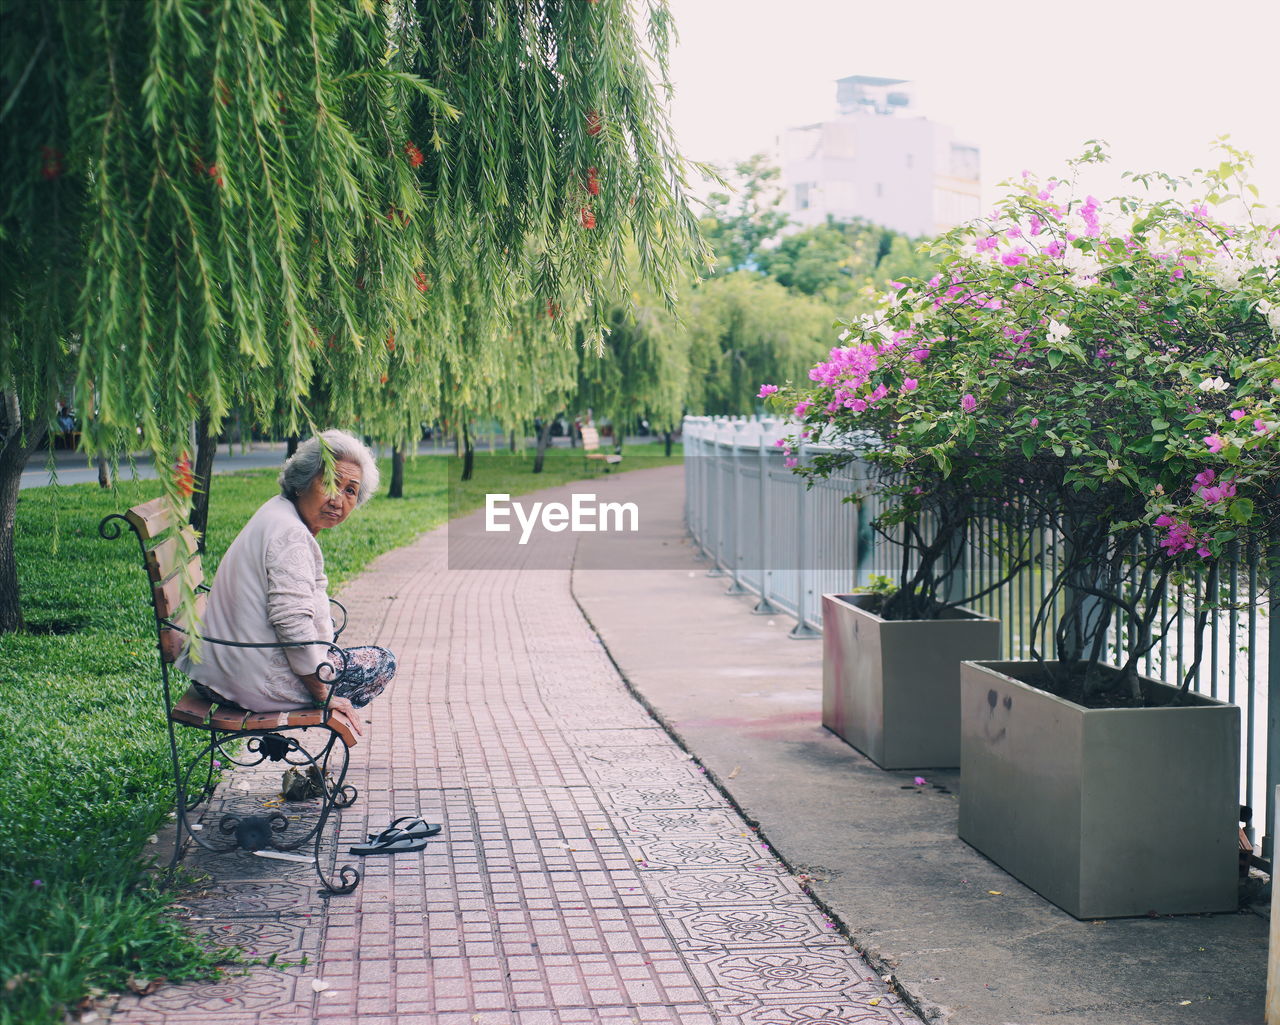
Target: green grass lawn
(83,747)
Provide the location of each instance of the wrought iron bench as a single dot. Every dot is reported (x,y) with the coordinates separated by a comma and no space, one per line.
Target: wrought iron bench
(234,735)
(591,450)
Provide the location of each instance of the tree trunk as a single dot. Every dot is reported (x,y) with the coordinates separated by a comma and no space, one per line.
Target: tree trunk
(511,442)
(468,452)
(291,445)
(667,438)
(206,446)
(104,470)
(544,438)
(14,453)
(397,473)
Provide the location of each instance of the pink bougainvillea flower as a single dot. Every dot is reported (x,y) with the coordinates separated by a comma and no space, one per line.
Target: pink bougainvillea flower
(1214,442)
(1164,520)
(1054,249)
(1035,421)
(1260,427)
(920,781)
(1180,537)
(919,355)
(990,242)
(1014,257)
(802,408)
(790,461)
(910,384)
(780,443)
(1218,493)
(1238,414)
(766,390)
(857,405)
(968,403)
(1202,480)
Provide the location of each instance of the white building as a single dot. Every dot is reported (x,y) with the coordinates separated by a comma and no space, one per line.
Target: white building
(879,161)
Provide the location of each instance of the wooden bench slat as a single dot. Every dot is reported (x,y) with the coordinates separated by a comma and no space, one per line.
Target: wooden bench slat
(168,594)
(166,558)
(229,718)
(195,710)
(191,708)
(172,641)
(150,519)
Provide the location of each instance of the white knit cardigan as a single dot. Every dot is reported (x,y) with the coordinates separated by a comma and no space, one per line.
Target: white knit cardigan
(270,586)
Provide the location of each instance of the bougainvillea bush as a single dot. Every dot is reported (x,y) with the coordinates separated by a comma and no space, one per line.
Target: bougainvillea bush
(1106,373)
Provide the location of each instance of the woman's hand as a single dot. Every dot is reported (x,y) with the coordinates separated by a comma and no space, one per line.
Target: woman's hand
(344,708)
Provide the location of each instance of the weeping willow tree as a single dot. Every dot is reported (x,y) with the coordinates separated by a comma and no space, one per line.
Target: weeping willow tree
(211,204)
(644,371)
(745,330)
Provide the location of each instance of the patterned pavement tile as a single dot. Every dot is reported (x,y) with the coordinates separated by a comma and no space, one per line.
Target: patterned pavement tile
(587,874)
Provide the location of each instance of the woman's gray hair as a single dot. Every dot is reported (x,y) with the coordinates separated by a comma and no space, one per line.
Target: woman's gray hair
(306,464)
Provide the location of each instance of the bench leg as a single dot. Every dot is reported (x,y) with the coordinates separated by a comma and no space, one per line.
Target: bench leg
(339,795)
(263,832)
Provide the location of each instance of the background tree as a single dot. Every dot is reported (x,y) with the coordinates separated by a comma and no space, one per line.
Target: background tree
(745,329)
(838,260)
(740,225)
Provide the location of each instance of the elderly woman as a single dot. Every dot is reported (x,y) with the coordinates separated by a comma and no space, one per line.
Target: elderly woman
(271,587)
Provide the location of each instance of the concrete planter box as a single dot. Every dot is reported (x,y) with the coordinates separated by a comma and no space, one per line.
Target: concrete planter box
(1106,812)
(892,688)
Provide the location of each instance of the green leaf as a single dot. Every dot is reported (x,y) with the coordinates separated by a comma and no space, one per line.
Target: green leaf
(1241,510)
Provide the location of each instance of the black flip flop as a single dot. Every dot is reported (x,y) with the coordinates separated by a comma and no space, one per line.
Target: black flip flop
(391,841)
(412,826)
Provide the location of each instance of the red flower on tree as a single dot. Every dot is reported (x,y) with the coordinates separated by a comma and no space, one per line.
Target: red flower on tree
(184,478)
(588,218)
(420,279)
(391,342)
(594,126)
(553,310)
(415,155)
(593,181)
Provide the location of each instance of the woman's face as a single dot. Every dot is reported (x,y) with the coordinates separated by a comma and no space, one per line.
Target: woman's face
(320,508)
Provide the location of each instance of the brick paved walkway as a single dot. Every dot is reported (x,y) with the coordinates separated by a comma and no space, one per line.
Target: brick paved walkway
(587,873)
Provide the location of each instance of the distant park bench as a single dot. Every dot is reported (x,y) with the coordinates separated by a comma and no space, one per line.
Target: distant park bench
(591,450)
(167,550)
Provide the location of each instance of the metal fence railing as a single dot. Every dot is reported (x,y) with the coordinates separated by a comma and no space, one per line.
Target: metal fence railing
(769,534)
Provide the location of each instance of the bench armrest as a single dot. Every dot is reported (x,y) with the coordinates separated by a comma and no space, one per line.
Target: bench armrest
(339,627)
(337,654)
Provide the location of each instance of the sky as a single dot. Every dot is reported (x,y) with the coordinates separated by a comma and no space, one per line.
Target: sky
(1028,82)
